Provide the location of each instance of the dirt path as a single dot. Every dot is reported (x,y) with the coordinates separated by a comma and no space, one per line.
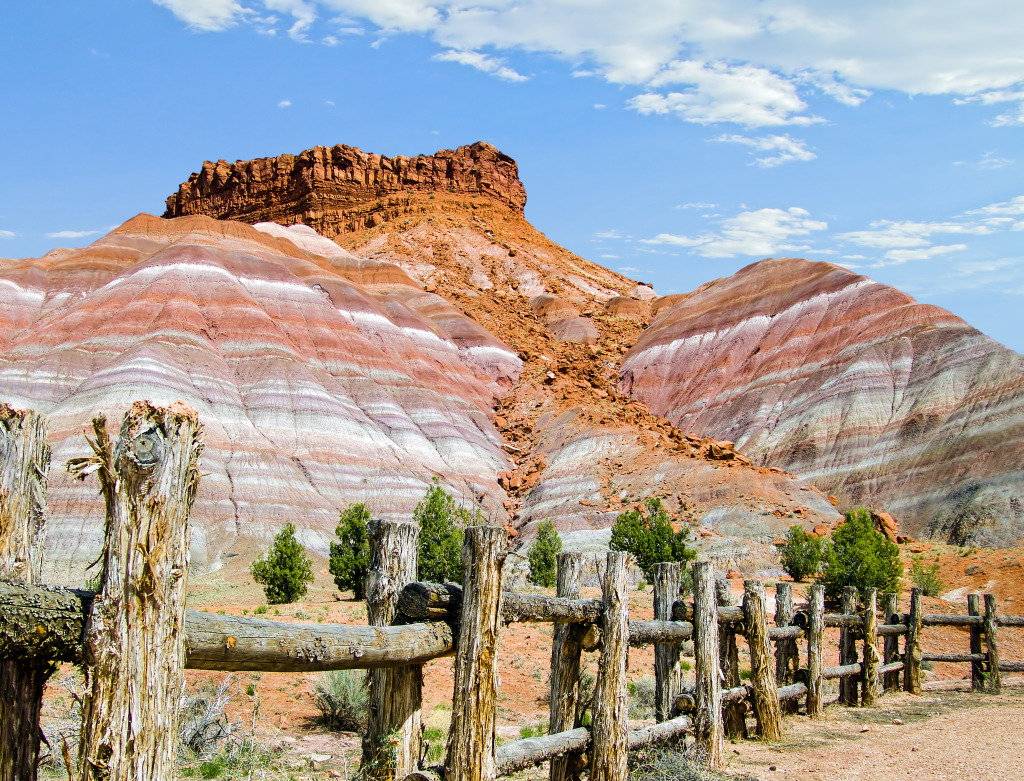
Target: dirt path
(944,735)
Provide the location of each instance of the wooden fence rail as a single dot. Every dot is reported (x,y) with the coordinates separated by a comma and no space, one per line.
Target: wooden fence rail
(136,636)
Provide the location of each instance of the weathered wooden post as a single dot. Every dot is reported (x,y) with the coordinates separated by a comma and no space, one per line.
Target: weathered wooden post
(762,667)
(815,649)
(848,649)
(977,668)
(610,731)
(667,671)
(869,672)
(735,713)
(24,459)
(566,652)
(912,654)
(708,717)
(391,747)
(995,680)
(135,640)
(891,644)
(470,755)
(787,657)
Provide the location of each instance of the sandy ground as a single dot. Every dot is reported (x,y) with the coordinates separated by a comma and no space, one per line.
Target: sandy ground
(944,735)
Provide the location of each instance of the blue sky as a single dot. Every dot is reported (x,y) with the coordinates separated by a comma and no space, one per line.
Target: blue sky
(675,141)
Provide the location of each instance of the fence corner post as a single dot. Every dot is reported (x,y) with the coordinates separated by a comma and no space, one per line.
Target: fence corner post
(135,640)
(977,667)
(848,649)
(995,680)
(667,670)
(815,649)
(395,693)
(610,732)
(891,646)
(912,648)
(566,654)
(869,670)
(787,658)
(708,717)
(470,755)
(762,670)
(24,460)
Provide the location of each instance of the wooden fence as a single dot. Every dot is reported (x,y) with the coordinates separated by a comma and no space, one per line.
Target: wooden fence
(135,636)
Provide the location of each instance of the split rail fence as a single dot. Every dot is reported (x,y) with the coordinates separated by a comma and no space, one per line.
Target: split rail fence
(135,636)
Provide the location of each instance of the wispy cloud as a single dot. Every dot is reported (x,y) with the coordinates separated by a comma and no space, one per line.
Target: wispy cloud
(492,66)
(762,233)
(776,150)
(67,234)
(697,205)
(989,161)
(284,103)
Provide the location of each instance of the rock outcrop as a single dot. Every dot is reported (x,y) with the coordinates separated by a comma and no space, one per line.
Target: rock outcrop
(852,385)
(341,188)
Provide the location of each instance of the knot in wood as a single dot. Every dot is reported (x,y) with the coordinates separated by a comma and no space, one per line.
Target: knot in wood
(147,448)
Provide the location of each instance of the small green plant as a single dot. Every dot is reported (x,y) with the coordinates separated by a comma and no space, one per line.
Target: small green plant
(641,585)
(648,535)
(861,557)
(685,666)
(286,571)
(302,615)
(745,675)
(926,577)
(350,556)
(441,522)
(641,697)
(342,699)
(802,554)
(260,610)
(277,612)
(543,554)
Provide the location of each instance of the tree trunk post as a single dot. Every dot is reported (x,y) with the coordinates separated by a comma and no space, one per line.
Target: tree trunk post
(565,666)
(735,713)
(977,668)
(391,747)
(787,657)
(912,653)
(995,680)
(762,665)
(24,459)
(667,671)
(708,717)
(891,644)
(135,637)
(869,672)
(815,649)
(848,649)
(611,731)
(470,755)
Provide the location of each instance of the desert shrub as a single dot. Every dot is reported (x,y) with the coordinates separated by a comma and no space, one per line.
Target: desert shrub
(802,554)
(203,724)
(342,699)
(860,557)
(926,577)
(441,522)
(671,763)
(543,555)
(648,535)
(350,555)
(641,697)
(285,571)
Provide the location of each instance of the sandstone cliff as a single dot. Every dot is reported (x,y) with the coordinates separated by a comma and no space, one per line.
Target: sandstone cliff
(851,384)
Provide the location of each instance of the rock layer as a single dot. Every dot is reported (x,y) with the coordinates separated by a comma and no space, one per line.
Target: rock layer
(850,384)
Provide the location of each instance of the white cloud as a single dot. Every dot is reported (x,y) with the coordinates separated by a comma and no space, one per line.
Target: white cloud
(7,234)
(781,149)
(741,61)
(762,233)
(886,234)
(490,65)
(208,15)
(898,256)
(71,234)
(697,205)
(1012,207)
(743,94)
(600,106)
(609,234)
(284,103)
